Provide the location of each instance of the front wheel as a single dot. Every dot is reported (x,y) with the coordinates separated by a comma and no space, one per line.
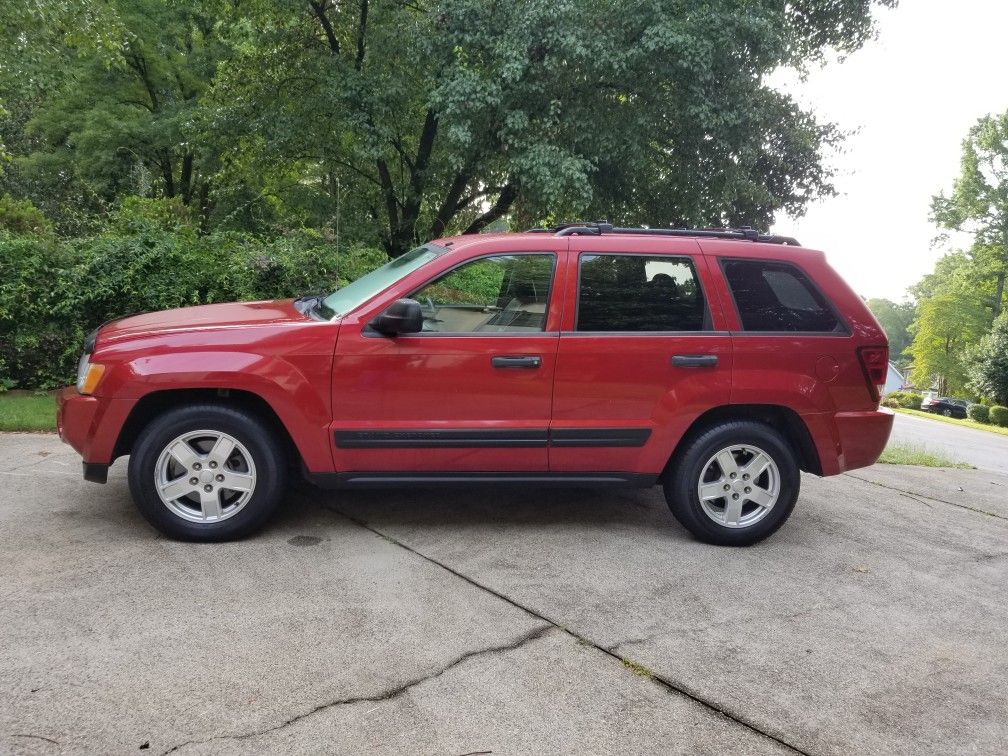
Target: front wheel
(207,473)
(734,484)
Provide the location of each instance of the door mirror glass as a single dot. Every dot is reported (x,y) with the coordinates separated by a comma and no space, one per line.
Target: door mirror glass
(402,316)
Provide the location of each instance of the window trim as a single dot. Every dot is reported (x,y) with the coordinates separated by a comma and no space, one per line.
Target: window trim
(371,333)
(842,321)
(707,316)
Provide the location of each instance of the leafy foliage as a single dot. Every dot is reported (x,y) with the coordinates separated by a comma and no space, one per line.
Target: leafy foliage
(22,217)
(895,320)
(979,199)
(421,119)
(540,109)
(902,399)
(979,413)
(999,415)
(52,293)
(988,371)
(951,317)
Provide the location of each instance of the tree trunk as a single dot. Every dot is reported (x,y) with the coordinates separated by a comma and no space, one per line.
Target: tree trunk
(206,206)
(999,288)
(403,216)
(168,174)
(509,193)
(185,179)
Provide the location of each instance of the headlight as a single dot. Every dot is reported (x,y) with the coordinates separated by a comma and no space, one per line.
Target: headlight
(88,374)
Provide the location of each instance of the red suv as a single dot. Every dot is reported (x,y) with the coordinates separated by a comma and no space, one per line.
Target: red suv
(716,363)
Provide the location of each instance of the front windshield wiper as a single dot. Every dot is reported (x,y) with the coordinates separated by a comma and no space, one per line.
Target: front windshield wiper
(314,306)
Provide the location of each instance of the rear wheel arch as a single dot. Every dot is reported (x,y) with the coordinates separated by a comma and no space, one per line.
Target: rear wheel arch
(153,405)
(784,419)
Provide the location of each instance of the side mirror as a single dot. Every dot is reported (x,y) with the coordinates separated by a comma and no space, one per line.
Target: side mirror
(402,316)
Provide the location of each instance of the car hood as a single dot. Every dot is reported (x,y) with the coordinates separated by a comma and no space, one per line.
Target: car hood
(203,318)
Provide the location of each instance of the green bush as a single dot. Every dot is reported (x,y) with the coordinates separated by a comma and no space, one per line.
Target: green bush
(902,399)
(22,218)
(979,413)
(53,292)
(999,415)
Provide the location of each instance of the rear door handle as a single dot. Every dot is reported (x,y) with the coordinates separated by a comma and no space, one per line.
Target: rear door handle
(694,360)
(516,362)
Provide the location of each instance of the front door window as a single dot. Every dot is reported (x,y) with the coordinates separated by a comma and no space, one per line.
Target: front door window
(499,294)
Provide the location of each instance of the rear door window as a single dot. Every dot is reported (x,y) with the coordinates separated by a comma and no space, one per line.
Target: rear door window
(639,293)
(777,296)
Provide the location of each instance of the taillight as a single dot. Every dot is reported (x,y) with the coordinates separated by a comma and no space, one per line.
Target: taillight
(875,363)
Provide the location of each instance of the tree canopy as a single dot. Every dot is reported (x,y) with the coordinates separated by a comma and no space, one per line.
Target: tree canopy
(978,202)
(950,318)
(988,372)
(421,118)
(895,319)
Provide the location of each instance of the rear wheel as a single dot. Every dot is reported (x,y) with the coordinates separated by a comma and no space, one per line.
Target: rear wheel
(207,473)
(734,484)
(947,412)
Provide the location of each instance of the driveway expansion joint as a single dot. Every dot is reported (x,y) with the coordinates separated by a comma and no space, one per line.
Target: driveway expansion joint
(386,695)
(912,494)
(663,682)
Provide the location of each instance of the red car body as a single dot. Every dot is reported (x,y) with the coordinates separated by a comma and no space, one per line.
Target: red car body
(600,406)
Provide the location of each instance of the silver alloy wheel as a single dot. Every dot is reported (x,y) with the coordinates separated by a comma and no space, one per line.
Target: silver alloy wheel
(739,485)
(205,476)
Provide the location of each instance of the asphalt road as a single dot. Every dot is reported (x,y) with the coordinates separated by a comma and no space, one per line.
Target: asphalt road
(504,621)
(984,450)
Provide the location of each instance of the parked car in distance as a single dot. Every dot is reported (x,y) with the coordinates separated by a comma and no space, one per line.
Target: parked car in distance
(943,405)
(718,364)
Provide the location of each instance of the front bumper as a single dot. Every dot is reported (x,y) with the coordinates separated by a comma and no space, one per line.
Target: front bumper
(75,416)
(77,424)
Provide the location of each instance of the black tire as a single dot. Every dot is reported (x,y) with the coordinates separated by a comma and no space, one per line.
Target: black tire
(947,412)
(682,480)
(257,438)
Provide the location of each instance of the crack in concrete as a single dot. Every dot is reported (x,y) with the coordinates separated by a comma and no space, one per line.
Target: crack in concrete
(663,682)
(912,494)
(34,737)
(386,695)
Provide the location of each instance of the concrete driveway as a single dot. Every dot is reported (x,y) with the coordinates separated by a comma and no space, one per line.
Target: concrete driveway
(504,621)
(982,449)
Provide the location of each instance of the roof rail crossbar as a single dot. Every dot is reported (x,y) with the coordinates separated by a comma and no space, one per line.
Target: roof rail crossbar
(597,228)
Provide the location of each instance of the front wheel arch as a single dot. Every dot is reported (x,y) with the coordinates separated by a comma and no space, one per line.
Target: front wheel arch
(151,406)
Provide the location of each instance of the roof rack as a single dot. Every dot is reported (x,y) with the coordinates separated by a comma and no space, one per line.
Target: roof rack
(598,228)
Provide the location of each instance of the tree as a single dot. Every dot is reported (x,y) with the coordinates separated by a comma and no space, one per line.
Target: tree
(988,363)
(951,317)
(39,40)
(979,199)
(127,122)
(895,320)
(447,116)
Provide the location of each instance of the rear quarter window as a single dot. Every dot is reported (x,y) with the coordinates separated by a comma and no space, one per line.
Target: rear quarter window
(775,296)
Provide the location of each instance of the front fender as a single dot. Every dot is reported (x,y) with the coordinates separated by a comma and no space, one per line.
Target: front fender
(298,392)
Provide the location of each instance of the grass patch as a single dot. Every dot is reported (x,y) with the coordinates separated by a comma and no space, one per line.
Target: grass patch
(955,421)
(638,669)
(27,411)
(916,454)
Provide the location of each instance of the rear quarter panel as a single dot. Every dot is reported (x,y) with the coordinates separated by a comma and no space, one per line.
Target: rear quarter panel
(816,375)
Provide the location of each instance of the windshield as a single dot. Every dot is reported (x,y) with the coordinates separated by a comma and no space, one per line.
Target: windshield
(360,291)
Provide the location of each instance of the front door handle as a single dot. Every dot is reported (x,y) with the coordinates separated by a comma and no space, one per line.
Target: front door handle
(694,360)
(516,362)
